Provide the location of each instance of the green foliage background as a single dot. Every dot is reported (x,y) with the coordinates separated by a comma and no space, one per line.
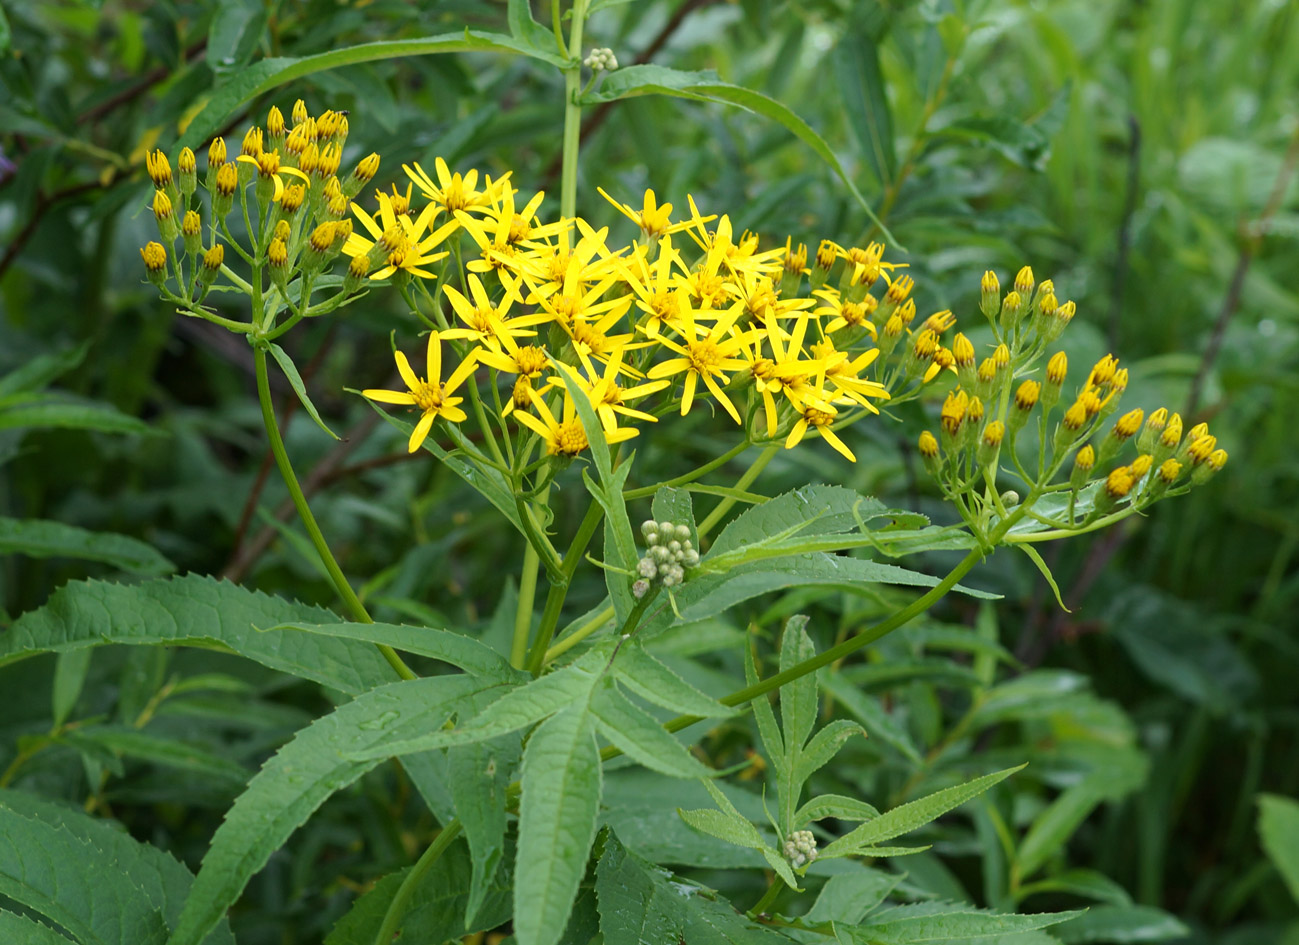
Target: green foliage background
(1142,155)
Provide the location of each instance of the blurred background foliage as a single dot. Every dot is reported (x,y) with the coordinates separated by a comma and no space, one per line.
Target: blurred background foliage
(1143,154)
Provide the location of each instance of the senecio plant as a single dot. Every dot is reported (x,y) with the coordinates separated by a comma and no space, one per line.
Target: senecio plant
(536,356)
(546,353)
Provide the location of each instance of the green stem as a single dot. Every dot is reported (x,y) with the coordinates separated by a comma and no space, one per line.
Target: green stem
(350,599)
(559,591)
(397,908)
(527,593)
(572,118)
(741,484)
(851,645)
(702,471)
(580,634)
(768,898)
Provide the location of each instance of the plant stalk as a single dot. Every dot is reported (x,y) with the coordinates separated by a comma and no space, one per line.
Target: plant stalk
(397,908)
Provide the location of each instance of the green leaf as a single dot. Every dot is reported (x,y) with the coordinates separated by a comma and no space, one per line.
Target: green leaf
(642,903)
(518,708)
(1056,823)
(487,481)
(300,777)
(864,100)
(527,30)
(640,736)
(676,505)
(915,814)
(17,929)
(907,924)
(1122,924)
(837,806)
(867,710)
(153,873)
(435,911)
(1278,829)
(50,410)
(621,553)
(34,374)
(144,746)
(39,538)
(730,825)
(772,740)
(270,74)
(295,380)
(69,676)
(479,776)
(848,897)
(636,669)
(456,649)
(194,610)
(707,87)
(798,698)
(41,862)
(1041,565)
(812,510)
(558,814)
(233,35)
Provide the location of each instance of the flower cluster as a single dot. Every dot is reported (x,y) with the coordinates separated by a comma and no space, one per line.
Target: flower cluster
(670,552)
(295,223)
(690,313)
(998,396)
(800,848)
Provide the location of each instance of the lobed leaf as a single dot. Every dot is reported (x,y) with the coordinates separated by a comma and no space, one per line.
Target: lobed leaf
(301,776)
(908,817)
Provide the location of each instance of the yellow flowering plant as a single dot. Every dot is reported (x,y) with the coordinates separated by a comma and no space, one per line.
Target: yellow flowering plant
(550,351)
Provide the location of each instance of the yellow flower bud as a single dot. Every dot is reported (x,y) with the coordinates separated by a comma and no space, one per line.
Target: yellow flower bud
(1083,463)
(329,160)
(963,351)
(161,205)
(1075,417)
(292,198)
(327,123)
(994,433)
(252,143)
(953,412)
(900,289)
(1011,307)
(795,259)
(1027,394)
(825,254)
(1201,448)
(155,260)
(1001,357)
(1057,368)
(1155,424)
(227,180)
(192,224)
(275,122)
(1128,424)
(940,322)
(928,445)
(1119,482)
(990,294)
(1141,465)
(216,153)
(186,163)
(357,270)
(907,311)
(1170,470)
(282,230)
(277,254)
(214,257)
(158,167)
(309,158)
(1103,372)
(1024,282)
(322,237)
(299,113)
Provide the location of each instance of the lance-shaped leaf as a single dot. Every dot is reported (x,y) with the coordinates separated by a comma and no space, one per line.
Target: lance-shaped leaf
(908,817)
(295,381)
(903,925)
(730,825)
(836,806)
(640,736)
(152,874)
(301,776)
(20,930)
(38,538)
(640,903)
(642,673)
(558,814)
(848,897)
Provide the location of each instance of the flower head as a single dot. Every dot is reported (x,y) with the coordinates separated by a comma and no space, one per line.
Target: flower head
(431,396)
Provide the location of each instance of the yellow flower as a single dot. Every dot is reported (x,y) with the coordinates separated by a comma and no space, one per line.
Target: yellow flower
(653,219)
(453,192)
(527,361)
(821,420)
(843,372)
(406,245)
(431,396)
(566,436)
(653,284)
(487,323)
(609,399)
(707,355)
(268,167)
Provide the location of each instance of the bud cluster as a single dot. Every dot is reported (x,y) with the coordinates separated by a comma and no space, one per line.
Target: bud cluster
(296,211)
(800,848)
(601,59)
(995,401)
(670,552)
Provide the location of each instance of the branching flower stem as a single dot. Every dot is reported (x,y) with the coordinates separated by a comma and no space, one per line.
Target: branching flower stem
(397,908)
(353,603)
